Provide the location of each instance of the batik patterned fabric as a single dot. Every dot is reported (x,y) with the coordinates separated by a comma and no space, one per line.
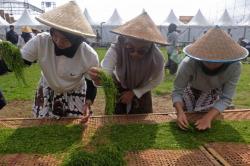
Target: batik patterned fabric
(196,100)
(48,103)
(141,105)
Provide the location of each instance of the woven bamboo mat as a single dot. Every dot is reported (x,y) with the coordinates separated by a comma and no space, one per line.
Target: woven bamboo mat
(28,160)
(120,119)
(228,153)
(171,157)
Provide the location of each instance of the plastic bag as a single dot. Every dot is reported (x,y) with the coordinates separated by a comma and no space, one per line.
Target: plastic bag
(177,57)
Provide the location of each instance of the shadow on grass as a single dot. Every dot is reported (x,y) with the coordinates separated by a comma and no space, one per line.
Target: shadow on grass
(43,139)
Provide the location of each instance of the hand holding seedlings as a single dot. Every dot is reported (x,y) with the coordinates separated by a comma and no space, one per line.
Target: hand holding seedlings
(106,81)
(94,75)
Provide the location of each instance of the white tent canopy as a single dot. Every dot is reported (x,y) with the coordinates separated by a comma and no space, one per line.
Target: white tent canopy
(225,20)
(3,21)
(26,19)
(246,21)
(171,19)
(199,20)
(90,20)
(115,19)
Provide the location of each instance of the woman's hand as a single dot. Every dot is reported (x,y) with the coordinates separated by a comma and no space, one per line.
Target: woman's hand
(181,116)
(182,120)
(94,75)
(205,122)
(127,97)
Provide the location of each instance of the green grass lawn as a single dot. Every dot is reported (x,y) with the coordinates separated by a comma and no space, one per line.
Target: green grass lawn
(17,91)
(110,143)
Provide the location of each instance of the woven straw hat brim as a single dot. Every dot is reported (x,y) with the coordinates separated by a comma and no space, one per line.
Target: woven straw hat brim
(65,29)
(68,18)
(26,29)
(201,58)
(216,46)
(142,27)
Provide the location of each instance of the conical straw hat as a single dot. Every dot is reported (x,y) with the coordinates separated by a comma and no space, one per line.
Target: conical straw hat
(67,18)
(26,29)
(216,46)
(141,27)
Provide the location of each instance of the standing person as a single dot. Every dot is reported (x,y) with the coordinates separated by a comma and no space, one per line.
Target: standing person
(172,38)
(11,35)
(136,63)
(229,32)
(98,37)
(207,78)
(64,59)
(24,37)
(35,31)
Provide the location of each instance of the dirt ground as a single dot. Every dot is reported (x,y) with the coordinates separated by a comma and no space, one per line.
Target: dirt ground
(22,108)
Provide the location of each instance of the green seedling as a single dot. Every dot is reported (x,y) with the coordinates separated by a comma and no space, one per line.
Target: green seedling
(13,59)
(192,127)
(110,92)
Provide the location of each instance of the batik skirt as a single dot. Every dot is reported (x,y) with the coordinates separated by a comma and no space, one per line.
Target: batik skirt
(48,103)
(137,106)
(196,100)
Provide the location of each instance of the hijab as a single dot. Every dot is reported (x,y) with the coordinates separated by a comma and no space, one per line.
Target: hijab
(136,73)
(26,36)
(171,28)
(214,72)
(73,39)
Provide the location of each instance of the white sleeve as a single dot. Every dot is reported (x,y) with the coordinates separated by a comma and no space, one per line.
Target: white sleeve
(150,85)
(93,59)
(228,89)
(109,62)
(30,50)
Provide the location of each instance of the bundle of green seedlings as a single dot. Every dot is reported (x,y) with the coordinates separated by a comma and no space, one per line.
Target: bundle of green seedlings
(11,55)
(191,127)
(110,92)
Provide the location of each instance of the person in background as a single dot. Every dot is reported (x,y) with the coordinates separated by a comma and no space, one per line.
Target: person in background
(172,38)
(35,31)
(24,37)
(2,99)
(229,32)
(207,78)
(11,35)
(64,59)
(136,63)
(98,37)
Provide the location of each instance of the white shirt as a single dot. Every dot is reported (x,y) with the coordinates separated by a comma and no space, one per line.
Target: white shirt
(62,73)
(109,65)
(20,42)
